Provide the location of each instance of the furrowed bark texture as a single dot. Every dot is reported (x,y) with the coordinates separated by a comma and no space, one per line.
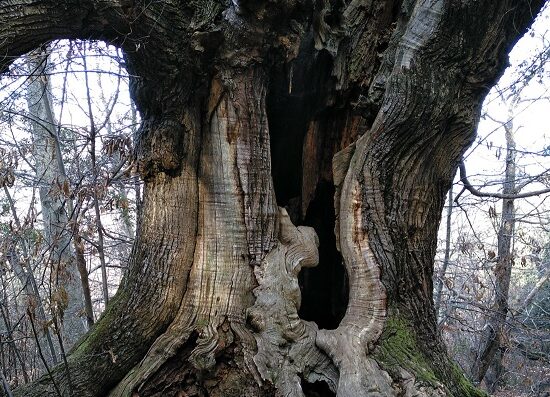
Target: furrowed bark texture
(377,100)
(236,228)
(141,310)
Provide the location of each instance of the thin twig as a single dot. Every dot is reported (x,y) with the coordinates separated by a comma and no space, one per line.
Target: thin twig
(42,355)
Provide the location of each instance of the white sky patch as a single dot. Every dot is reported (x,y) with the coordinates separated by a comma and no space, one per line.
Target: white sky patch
(531,118)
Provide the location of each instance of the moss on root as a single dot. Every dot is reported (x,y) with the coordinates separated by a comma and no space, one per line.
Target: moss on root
(464,386)
(399,349)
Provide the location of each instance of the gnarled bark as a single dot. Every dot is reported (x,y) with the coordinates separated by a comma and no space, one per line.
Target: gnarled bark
(212,243)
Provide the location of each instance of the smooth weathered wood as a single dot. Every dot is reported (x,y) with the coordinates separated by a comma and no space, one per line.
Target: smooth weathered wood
(286,347)
(237,227)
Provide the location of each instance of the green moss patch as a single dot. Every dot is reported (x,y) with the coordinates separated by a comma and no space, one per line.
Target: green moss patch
(399,349)
(464,386)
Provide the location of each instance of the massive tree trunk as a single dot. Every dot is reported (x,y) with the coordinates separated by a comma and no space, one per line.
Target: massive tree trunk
(383,97)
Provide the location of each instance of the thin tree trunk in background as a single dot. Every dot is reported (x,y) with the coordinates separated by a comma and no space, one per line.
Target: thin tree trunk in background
(33,301)
(11,341)
(99,226)
(531,295)
(26,277)
(120,161)
(83,270)
(443,271)
(54,189)
(5,385)
(493,333)
(78,242)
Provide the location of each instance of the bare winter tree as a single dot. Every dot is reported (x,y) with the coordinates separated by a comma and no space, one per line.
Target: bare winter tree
(490,345)
(250,106)
(55,202)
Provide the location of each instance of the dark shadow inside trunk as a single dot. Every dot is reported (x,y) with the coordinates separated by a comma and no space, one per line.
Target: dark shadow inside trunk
(316,389)
(296,95)
(325,287)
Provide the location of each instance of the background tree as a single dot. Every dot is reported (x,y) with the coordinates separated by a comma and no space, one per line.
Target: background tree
(56,204)
(491,273)
(32,237)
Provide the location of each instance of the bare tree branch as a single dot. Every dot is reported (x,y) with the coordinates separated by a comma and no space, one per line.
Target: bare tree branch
(478,193)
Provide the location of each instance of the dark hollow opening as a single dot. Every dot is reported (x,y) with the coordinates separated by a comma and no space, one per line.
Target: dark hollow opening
(295,99)
(316,389)
(325,287)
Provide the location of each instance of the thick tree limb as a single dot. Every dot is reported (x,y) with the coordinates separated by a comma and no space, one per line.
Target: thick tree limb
(27,24)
